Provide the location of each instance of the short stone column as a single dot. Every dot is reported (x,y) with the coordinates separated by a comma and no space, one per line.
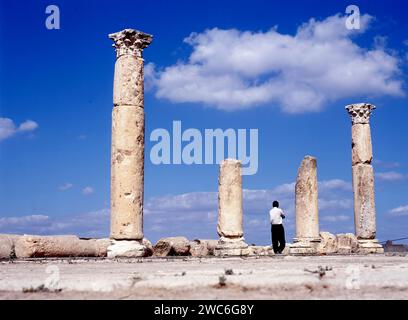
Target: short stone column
(363,178)
(306,206)
(230,210)
(127,152)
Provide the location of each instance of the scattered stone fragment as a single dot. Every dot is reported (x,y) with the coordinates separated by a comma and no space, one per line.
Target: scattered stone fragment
(60,246)
(172,246)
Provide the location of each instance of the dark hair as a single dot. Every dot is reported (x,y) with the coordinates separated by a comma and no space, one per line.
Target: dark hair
(275,204)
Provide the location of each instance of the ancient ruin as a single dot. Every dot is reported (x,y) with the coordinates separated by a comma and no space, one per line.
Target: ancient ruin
(127,189)
(363,178)
(306,206)
(230,210)
(127,153)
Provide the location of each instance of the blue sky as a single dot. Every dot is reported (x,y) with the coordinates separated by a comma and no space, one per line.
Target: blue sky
(253,65)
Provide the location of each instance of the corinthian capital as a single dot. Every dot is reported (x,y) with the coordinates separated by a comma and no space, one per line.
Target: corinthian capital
(360,112)
(130,41)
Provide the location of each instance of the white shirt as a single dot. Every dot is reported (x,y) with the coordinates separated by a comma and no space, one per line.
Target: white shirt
(275,215)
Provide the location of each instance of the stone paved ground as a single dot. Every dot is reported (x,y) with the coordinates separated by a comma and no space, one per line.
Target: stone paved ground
(277,277)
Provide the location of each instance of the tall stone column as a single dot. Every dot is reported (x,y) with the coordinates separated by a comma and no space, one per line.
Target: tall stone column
(363,178)
(230,210)
(127,152)
(306,206)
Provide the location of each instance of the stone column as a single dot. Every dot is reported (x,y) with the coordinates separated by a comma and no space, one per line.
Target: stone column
(230,210)
(307,212)
(127,152)
(363,178)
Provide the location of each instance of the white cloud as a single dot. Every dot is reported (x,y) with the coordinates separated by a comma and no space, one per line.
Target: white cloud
(9,129)
(390,176)
(22,221)
(335,204)
(232,69)
(90,224)
(386,164)
(335,184)
(87,191)
(335,218)
(400,211)
(65,186)
(28,125)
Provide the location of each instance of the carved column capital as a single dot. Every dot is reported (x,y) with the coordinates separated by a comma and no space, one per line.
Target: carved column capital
(360,112)
(130,41)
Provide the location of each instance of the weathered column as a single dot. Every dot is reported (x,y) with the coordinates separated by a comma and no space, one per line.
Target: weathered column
(363,178)
(127,152)
(230,210)
(306,206)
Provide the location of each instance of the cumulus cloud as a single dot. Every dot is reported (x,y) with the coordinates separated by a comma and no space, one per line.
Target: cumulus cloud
(336,218)
(232,69)
(400,211)
(386,164)
(391,176)
(87,191)
(8,129)
(89,224)
(65,186)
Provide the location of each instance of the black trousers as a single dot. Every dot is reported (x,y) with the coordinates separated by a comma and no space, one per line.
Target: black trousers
(278,238)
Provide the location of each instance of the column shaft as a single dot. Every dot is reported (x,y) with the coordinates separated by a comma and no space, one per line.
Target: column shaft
(230,211)
(306,194)
(363,178)
(127,173)
(306,207)
(127,152)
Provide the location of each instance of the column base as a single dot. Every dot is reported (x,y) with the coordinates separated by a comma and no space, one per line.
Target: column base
(127,249)
(304,246)
(369,246)
(231,247)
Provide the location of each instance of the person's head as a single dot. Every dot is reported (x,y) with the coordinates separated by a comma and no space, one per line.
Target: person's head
(275,204)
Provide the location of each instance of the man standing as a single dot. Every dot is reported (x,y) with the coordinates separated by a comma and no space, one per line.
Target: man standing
(278,232)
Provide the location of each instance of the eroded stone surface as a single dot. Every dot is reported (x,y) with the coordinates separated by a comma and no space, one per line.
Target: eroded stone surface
(360,112)
(130,42)
(231,247)
(7,243)
(60,246)
(362,151)
(127,173)
(129,248)
(202,248)
(260,250)
(328,243)
(307,221)
(230,212)
(347,243)
(128,85)
(127,154)
(368,246)
(363,174)
(364,201)
(172,246)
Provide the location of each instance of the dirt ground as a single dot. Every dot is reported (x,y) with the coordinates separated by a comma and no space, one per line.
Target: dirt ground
(275,277)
